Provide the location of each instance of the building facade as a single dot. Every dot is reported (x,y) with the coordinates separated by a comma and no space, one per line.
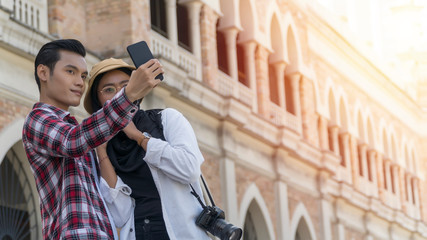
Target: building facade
(310,116)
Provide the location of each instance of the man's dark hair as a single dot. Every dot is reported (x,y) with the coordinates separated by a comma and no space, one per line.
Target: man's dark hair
(49,54)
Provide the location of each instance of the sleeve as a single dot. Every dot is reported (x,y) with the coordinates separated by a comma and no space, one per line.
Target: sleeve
(50,135)
(178,157)
(118,200)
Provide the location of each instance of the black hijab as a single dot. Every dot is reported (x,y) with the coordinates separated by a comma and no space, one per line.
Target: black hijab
(124,153)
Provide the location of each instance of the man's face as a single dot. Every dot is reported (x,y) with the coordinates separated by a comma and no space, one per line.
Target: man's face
(65,86)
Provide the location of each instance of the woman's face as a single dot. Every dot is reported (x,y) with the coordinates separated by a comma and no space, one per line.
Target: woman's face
(110,84)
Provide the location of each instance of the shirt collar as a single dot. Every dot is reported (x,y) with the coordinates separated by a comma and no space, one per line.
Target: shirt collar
(58,111)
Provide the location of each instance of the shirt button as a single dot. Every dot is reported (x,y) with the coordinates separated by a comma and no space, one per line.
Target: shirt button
(147,220)
(132,111)
(131,230)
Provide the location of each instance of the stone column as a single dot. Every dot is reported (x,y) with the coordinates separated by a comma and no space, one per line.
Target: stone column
(228,172)
(295,82)
(194,8)
(355,167)
(333,139)
(263,88)
(372,159)
(250,70)
(380,176)
(323,133)
(416,191)
(230,35)
(194,18)
(409,189)
(363,161)
(345,141)
(395,179)
(171,21)
(387,172)
(279,69)
(401,186)
(208,20)
(283,220)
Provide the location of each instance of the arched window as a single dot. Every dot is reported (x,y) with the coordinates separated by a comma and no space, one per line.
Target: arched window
(17,202)
(255,226)
(249,231)
(303,233)
(158,16)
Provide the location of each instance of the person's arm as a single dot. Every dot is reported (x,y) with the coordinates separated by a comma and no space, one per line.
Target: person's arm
(105,166)
(179,157)
(50,135)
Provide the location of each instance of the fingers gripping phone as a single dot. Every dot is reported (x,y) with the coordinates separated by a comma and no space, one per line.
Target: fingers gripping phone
(140,53)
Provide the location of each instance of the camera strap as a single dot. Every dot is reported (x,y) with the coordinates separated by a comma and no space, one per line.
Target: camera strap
(206,193)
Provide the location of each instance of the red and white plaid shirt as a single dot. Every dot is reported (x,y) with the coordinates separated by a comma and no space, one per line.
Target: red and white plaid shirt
(58,149)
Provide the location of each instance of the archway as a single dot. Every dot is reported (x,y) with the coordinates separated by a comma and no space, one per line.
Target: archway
(19,217)
(255,227)
(303,233)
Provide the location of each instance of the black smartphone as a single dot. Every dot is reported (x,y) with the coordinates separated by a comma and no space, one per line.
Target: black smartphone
(140,53)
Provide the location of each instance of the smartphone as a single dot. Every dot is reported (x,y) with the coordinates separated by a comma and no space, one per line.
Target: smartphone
(140,53)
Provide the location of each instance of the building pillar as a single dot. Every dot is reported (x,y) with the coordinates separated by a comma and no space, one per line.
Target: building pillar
(387,172)
(250,70)
(380,176)
(402,186)
(295,82)
(363,160)
(230,35)
(345,141)
(323,133)
(279,68)
(409,188)
(208,20)
(333,139)
(355,166)
(194,8)
(283,220)
(171,21)
(263,86)
(372,169)
(416,192)
(340,231)
(228,183)
(395,179)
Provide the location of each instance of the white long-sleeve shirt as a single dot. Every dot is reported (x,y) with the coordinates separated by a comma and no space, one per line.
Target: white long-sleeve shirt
(174,164)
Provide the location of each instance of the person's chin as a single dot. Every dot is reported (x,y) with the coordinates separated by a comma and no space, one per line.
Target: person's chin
(75,103)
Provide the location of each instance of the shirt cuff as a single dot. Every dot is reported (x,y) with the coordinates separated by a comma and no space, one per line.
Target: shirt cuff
(124,104)
(111,194)
(154,151)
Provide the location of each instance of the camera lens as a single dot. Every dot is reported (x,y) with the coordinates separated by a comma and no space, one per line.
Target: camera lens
(236,234)
(226,231)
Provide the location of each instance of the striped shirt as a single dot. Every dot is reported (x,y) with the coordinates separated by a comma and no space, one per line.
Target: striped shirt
(59,149)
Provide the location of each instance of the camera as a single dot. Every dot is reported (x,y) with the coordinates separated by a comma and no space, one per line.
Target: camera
(212,220)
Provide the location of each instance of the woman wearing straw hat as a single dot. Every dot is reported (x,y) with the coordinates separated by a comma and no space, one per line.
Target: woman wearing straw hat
(157,161)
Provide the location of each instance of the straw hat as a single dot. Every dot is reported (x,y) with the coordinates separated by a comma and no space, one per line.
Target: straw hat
(99,68)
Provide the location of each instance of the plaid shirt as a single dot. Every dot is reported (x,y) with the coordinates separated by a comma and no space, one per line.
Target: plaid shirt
(58,149)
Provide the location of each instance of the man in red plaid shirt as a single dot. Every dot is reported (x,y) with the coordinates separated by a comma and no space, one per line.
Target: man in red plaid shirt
(60,150)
